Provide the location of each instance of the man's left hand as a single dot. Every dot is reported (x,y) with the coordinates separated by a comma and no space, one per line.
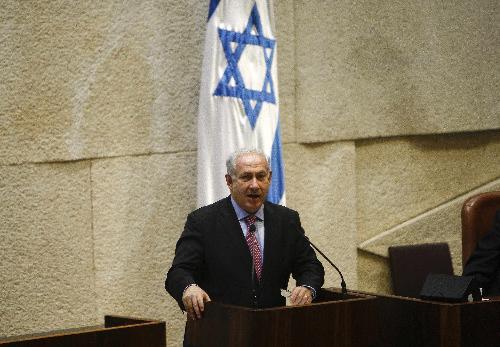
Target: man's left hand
(301,296)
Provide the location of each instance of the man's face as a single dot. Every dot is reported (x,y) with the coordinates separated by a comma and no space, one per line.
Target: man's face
(251,182)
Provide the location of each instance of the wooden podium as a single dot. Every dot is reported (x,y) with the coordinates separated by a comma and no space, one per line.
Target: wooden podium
(117,331)
(332,320)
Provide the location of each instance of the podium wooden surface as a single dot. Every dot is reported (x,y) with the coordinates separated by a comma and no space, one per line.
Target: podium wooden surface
(403,321)
(116,331)
(334,320)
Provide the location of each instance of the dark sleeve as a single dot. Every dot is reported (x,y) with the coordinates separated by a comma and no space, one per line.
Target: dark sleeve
(485,260)
(307,269)
(188,260)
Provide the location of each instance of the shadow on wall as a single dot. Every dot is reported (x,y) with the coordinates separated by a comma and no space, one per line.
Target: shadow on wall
(455,141)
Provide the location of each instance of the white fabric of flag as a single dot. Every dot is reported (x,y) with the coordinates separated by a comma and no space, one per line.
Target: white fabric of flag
(238,105)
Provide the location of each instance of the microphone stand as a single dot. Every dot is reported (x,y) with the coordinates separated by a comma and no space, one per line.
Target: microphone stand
(342,283)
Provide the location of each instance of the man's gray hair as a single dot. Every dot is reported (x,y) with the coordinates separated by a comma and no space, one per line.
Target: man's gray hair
(233,157)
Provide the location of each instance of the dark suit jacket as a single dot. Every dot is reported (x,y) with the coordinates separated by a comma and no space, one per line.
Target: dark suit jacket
(484,263)
(213,253)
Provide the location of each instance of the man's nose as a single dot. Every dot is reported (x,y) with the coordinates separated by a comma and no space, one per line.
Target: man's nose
(254,182)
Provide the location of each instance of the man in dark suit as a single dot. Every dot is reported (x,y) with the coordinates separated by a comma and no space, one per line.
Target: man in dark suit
(242,249)
(484,263)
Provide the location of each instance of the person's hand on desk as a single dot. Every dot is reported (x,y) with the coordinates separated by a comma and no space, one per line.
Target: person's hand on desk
(194,299)
(301,296)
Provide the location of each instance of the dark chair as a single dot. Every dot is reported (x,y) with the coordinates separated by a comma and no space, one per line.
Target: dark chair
(411,264)
(478,214)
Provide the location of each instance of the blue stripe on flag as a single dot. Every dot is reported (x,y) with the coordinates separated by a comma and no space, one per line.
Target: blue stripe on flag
(277,187)
(212,7)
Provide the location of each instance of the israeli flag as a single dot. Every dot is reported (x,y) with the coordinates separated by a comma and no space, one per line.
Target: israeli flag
(238,95)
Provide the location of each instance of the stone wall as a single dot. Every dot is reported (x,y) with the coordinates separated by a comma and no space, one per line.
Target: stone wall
(390,119)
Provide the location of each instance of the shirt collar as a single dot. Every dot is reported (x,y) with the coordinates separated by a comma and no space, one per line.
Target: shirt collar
(241,213)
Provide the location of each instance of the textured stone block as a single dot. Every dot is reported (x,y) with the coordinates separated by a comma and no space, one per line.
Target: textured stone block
(140,206)
(374,275)
(385,68)
(441,224)
(96,79)
(285,34)
(320,185)
(401,178)
(46,258)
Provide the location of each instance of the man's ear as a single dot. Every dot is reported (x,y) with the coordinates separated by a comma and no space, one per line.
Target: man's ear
(270,175)
(229,180)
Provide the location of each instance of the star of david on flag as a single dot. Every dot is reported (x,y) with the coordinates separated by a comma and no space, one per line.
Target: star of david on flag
(238,95)
(233,73)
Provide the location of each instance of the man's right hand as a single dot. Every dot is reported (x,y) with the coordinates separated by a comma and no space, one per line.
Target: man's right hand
(194,299)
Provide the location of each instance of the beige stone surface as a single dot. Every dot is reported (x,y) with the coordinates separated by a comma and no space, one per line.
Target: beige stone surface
(374,275)
(140,206)
(400,178)
(118,82)
(87,79)
(46,258)
(441,224)
(285,36)
(320,185)
(385,68)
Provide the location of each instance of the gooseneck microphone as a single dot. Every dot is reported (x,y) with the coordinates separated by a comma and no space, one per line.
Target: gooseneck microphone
(301,233)
(342,282)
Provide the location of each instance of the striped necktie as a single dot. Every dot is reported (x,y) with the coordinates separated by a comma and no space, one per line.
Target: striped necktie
(253,244)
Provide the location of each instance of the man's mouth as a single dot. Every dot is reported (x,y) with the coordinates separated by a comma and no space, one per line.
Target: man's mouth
(254,196)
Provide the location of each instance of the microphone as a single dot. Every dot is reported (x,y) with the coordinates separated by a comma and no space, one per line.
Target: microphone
(342,282)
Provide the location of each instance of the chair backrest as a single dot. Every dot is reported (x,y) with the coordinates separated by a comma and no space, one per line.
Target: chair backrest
(478,214)
(411,264)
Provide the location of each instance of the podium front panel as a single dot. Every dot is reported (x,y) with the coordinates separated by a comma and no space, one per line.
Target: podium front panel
(335,320)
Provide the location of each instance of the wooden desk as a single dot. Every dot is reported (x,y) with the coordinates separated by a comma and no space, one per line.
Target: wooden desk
(116,331)
(402,321)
